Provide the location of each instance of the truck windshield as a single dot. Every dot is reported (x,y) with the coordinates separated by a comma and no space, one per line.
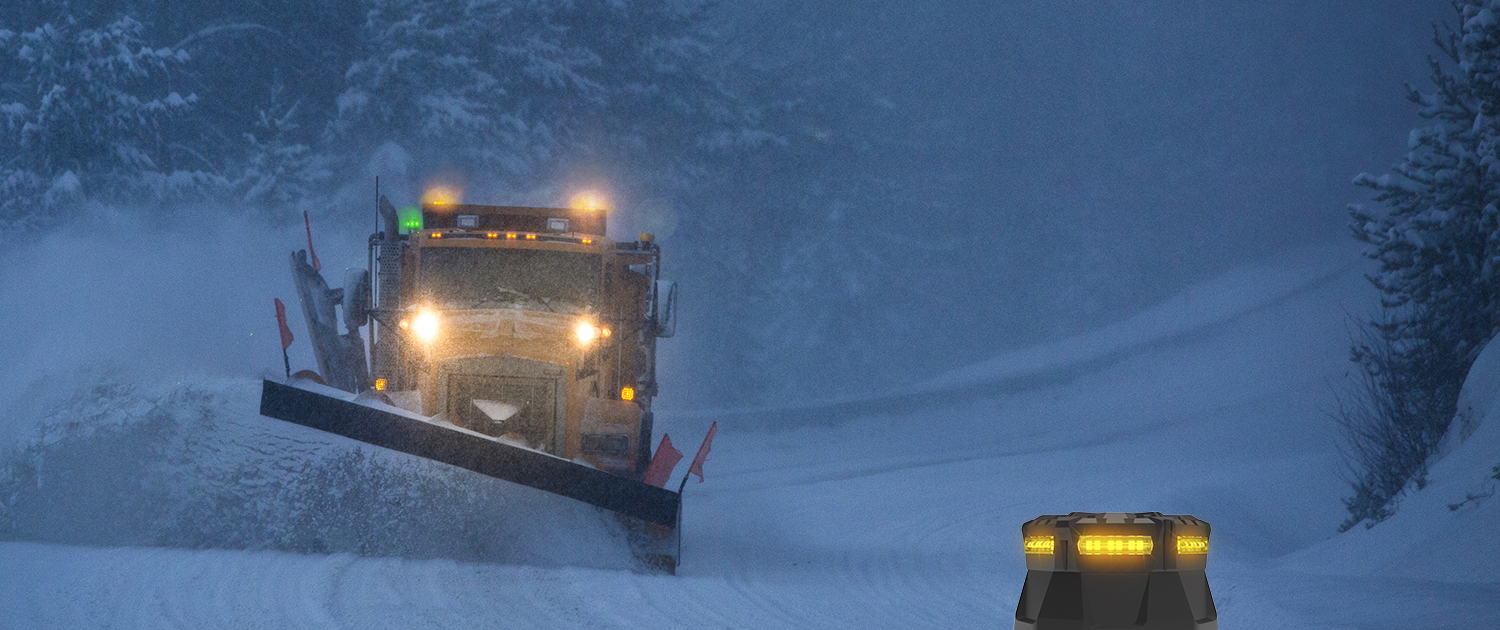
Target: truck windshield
(494,277)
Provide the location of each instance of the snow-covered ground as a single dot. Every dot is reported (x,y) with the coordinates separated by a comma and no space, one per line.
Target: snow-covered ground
(1214,404)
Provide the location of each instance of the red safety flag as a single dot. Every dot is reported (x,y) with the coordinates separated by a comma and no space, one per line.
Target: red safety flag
(662,463)
(316,265)
(697,467)
(286,333)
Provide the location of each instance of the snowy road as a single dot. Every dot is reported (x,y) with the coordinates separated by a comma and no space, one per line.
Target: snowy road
(911,519)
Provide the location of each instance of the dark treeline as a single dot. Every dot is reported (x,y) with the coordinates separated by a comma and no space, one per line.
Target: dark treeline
(744,160)
(270,101)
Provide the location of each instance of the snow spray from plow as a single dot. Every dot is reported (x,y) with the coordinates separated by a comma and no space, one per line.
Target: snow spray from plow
(471,451)
(651,515)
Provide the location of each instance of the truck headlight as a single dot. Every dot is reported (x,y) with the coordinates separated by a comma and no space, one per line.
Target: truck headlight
(586,333)
(425,324)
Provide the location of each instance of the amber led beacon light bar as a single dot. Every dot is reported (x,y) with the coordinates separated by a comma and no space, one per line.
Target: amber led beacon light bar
(1140,570)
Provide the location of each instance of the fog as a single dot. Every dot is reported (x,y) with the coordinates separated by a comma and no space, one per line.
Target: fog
(1074,162)
(112,296)
(982,177)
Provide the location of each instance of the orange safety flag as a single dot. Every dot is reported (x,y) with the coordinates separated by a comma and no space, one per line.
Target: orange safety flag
(662,463)
(316,265)
(697,467)
(286,333)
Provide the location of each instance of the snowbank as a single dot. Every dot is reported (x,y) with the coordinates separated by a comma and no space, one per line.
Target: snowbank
(1446,531)
(1475,401)
(194,466)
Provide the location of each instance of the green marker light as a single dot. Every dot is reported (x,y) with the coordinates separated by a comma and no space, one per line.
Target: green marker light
(410,218)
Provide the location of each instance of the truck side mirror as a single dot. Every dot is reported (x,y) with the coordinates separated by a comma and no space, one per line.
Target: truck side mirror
(666,308)
(356,299)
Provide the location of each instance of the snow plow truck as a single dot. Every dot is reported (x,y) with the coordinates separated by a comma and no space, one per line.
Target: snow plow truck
(515,342)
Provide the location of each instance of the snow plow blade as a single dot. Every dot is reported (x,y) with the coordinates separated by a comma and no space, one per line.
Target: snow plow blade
(470,451)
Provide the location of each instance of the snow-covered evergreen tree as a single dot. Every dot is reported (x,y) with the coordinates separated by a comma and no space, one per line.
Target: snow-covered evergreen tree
(1438,246)
(516,93)
(277,168)
(86,113)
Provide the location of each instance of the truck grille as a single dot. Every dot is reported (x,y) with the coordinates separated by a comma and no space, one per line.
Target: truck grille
(536,397)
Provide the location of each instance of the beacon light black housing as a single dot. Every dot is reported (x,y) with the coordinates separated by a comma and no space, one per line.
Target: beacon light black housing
(1141,570)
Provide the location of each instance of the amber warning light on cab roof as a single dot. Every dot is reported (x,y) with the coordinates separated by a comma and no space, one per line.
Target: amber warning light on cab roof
(442,196)
(1140,570)
(588,200)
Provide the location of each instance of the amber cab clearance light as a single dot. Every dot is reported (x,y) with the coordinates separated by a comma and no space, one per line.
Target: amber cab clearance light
(627,393)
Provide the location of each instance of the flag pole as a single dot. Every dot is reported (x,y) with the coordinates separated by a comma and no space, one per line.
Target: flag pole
(680,505)
(286,337)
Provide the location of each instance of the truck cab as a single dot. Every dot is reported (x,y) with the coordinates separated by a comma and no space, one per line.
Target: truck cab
(526,324)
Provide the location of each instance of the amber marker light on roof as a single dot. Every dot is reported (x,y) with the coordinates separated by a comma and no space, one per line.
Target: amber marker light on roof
(379,384)
(437,235)
(510,235)
(530,237)
(1191,545)
(492,235)
(1114,545)
(1039,544)
(588,241)
(627,393)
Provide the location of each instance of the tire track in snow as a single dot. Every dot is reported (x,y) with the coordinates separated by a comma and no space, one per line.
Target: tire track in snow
(833,471)
(1201,310)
